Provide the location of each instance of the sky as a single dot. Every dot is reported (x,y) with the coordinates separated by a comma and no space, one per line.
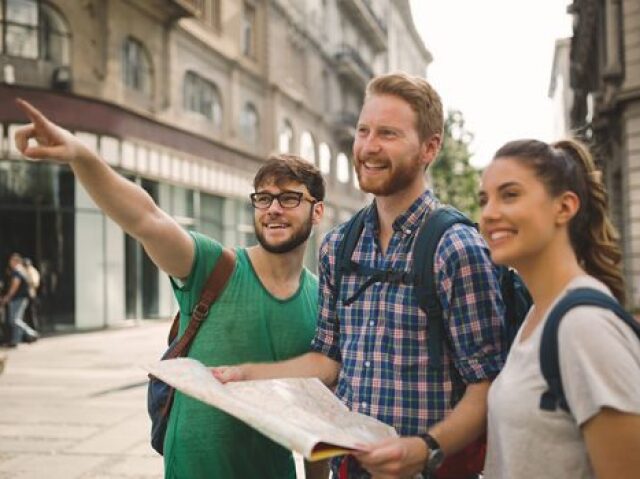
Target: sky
(492,61)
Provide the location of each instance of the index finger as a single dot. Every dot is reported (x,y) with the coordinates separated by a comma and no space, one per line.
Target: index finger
(32,112)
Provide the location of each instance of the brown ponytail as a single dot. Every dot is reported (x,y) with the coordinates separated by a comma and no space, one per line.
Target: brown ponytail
(592,234)
(568,165)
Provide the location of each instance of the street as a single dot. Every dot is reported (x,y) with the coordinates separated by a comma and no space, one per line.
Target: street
(74,406)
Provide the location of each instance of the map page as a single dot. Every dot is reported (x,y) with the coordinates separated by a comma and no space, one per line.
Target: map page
(301,414)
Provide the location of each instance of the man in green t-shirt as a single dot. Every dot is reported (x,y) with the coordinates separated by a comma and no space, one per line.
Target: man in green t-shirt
(267,311)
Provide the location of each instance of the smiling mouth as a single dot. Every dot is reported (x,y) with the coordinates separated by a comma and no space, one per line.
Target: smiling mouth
(373,166)
(498,236)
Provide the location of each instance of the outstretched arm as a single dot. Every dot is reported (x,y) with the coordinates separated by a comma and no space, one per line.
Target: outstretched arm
(312,364)
(168,245)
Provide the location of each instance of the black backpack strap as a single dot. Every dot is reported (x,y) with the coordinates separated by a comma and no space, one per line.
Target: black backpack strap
(352,230)
(424,250)
(549,352)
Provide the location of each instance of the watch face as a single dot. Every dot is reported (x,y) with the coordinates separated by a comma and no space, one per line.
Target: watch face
(436,458)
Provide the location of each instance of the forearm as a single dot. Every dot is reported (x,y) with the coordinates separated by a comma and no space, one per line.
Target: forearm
(131,207)
(312,364)
(466,422)
(122,200)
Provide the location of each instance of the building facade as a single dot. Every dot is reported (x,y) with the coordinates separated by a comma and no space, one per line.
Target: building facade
(560,91)
(605,79)
(187,99)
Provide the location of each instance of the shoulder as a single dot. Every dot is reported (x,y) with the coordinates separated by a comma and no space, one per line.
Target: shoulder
(462,243)
(593,329)
(206,248)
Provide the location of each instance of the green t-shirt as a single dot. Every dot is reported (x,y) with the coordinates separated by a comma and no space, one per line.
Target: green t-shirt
(245,324)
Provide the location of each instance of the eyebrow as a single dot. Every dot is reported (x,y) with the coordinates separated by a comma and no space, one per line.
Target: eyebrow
(508,184)
(503,186)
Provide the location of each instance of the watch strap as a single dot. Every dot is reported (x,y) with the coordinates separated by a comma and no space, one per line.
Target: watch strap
(430,441)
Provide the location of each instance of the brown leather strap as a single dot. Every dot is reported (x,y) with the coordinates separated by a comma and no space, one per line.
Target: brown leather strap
(213,287)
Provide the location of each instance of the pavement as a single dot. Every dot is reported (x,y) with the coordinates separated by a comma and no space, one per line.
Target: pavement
(74,406)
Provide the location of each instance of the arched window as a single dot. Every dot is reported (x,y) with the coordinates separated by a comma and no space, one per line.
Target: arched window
(307,147)
(285,138)
(249,123)
(203,97)
(342,168)
(31,29)
(54,36)
(324,153)
(136,66)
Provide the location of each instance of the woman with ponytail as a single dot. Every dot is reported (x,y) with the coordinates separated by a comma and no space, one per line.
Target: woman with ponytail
(544,213)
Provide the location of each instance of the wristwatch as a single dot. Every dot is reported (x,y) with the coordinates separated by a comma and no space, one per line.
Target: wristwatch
(436,454)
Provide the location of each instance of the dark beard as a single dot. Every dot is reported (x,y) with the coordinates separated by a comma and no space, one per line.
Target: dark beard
(296,240)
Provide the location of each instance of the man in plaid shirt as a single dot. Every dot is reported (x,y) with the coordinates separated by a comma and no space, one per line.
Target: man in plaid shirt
(374,349)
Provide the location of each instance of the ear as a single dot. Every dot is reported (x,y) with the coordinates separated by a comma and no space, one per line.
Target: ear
(317,212)
(429,149)
(568,205)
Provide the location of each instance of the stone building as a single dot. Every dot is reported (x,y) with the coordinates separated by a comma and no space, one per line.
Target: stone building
(605,79)
(185,98)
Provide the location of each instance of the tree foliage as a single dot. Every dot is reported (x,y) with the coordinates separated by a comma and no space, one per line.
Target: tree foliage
(455,181)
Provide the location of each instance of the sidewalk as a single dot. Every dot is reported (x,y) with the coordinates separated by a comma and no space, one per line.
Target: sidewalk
(74,406)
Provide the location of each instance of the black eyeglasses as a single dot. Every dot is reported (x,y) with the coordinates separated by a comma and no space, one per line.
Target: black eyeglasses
(286,199)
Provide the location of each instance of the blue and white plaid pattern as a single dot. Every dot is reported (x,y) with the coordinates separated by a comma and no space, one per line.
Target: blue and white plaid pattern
(381,339)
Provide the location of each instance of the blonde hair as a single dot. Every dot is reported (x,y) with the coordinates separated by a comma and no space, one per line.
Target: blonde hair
(420,96)
(568,165)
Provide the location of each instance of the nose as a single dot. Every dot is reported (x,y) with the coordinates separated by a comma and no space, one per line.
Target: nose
(275,206)
(489,211)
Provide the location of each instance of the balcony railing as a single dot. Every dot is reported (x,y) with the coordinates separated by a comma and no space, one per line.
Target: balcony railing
(351,65)
(374,27)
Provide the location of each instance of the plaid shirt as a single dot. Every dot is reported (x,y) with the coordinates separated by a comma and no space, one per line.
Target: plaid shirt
(381,339)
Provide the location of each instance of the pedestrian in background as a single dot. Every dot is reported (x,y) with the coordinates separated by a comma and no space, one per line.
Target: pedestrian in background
(544,212)
(17,298)
(32,275)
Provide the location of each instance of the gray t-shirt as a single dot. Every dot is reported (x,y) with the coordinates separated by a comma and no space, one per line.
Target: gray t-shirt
(600,366)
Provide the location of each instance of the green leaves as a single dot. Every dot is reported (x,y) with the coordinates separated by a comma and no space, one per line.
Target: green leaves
(455,181)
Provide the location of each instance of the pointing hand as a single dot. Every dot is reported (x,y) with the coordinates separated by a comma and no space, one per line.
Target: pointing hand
(53,142)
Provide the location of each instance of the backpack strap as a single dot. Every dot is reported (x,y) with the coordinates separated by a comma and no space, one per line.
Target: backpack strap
(352,230)
(216,282)
(424,250)
(549,352)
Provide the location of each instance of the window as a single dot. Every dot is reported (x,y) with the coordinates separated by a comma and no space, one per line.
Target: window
(53,36)
(31,29)
(342,173)
(21,28)
(249,123)
(136,66)
(285,139)
(202,96)
(249,29)
(307,147)
(325,158)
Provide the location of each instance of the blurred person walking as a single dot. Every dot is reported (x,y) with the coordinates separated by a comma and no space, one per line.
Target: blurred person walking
(17,298)
(32,275)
